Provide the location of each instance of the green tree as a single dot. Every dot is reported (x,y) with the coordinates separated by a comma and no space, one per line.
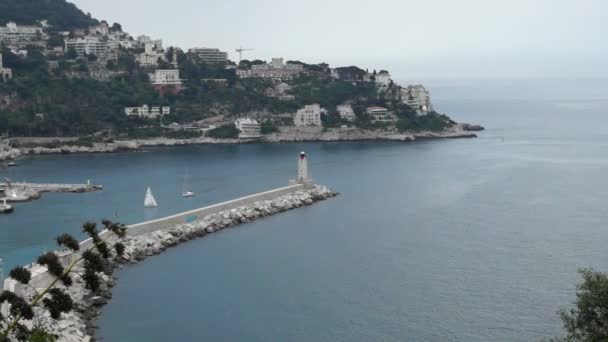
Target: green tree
(54,298)
(588,320)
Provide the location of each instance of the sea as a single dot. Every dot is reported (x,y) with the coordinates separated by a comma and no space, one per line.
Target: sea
(437,240)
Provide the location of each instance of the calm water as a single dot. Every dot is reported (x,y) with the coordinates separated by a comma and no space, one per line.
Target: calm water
(460,240)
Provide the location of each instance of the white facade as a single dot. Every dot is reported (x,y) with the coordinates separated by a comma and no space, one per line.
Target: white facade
(13,33)
(152,52)
(380,115)
(89,45)
(310,115)
(276,69)
(210,55)
(346,112)
(166,77)
(148,112)
(248,128)
(383,79)
(418,98)
(5,73)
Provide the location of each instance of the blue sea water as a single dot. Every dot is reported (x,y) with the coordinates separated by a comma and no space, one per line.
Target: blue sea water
(453,240)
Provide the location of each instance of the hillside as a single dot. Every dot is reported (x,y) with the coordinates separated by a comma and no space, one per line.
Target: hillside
(62,15)
(55,90)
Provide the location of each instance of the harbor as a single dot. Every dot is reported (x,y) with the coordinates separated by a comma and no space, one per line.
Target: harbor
(153,237)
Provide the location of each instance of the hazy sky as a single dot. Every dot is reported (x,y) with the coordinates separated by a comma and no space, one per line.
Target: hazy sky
(414,39)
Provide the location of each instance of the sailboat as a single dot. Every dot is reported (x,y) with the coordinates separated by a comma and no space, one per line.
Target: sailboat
(150,201)
(185,191)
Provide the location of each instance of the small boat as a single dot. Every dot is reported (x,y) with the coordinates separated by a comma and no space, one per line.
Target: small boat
(150,201)
(188,194)
(185,191)
(6,208)
(11,164)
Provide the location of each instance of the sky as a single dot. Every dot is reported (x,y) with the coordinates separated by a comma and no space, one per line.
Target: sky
(414,39)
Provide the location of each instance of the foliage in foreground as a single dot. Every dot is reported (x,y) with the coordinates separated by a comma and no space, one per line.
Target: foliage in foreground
(55,298)
(588,320)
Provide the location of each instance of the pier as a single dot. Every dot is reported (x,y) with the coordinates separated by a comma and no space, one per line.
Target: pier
(24,192)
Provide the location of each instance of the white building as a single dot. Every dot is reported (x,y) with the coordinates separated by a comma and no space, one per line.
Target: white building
(383,79)
(13,33)
(5,73)
(152,52)
(248,128)
(148,112)
(102,29)
(166,77)
(310,115)
(418,98)
(346,112)
(380,115)
(89,45)
(275,70)
(209,55)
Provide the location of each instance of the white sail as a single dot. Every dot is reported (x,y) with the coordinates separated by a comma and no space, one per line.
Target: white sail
(150,201)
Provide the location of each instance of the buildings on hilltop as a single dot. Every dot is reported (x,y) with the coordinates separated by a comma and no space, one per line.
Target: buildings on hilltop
(346,112)
(249,129)
(276,70)
(210,55)
(418,98)
(148,112)
(310,115)
(5,73)
(22,35)
(383,79)
(93,45)
(153,51)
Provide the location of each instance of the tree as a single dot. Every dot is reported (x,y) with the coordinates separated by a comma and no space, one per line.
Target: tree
(71,53)
(54,298)
(588,321)
(116,27)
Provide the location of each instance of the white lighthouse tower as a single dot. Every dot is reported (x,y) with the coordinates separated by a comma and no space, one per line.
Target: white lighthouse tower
(303,174)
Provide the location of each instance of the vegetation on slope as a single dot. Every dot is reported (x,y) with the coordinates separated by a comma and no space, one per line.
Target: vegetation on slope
(62,15)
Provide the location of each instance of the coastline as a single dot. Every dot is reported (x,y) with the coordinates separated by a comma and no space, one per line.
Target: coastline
(81,323)
(285,135)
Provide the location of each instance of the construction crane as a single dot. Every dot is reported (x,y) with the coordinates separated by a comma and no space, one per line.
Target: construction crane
(240,51)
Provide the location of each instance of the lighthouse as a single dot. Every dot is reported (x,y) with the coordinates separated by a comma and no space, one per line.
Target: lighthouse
(303,168)
(303,173)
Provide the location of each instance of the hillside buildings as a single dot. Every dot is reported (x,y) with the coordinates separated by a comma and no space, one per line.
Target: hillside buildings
(276,70)
(21,36)
(148,112)
(346,112)
(418,98)
(153,51)
(249,129)
(165,77)
(383,79)
(310,115)
(93,45)
(209,55)
(380,115)
(5,73)
(280,91)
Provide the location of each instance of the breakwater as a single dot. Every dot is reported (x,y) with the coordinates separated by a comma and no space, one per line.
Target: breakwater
(153,237)
(23,192)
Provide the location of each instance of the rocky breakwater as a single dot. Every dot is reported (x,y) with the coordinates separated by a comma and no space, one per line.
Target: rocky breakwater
(23,192)
(80,324)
